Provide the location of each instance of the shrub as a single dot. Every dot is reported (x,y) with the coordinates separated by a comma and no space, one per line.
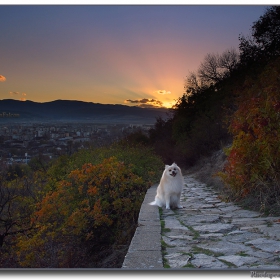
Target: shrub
(254,157)
(142,159)
(94,205)
(91,201)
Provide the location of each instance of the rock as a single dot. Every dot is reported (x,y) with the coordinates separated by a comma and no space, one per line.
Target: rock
(205,261)
(180,237)
(266,245)
(228,208)
(172,242)
(249,221)
(177,260)
(271,231)
(211,235)
(218,227)
(198,219)
(245,214)
(242,237)
(239,260)
(236,232)
(224,247)
(174,224)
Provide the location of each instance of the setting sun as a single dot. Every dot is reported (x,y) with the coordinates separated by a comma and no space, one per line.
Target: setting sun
(168,104)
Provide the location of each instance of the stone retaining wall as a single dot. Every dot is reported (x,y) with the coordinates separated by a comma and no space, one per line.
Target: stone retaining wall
(145,248)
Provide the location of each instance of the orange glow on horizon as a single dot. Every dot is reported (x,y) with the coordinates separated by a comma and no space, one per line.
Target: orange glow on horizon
(169,104)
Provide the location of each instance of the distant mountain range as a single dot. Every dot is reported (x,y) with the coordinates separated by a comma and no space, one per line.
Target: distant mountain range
(77,111)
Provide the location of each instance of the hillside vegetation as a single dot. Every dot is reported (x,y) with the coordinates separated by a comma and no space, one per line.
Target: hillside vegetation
(233,100)
(78,210)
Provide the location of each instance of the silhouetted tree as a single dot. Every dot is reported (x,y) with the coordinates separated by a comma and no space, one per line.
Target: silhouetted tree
(264,41)
(229,60)
(216,67)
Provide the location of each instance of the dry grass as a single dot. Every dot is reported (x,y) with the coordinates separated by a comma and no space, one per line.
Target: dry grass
(207,167)
(205,170)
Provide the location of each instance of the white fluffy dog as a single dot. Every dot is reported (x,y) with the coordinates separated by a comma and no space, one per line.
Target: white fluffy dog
(170,188)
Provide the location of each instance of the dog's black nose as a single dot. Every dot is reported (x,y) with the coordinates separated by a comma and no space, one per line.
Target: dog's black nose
(173,173)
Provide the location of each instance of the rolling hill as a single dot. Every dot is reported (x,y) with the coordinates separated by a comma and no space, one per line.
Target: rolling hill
(77,111)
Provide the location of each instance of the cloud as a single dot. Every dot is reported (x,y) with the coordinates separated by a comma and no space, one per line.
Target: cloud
(20,96)
(23,95)
(13,93)
(145,102)
(163,91)
(2,78)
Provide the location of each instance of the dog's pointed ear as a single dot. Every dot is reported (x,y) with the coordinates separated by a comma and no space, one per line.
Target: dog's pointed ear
(166,166)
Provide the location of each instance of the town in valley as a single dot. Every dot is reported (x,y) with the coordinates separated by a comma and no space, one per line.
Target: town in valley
(20,142)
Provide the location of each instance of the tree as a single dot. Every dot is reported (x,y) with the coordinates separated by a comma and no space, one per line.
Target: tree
(39,163)
(193,84)
(195,126)
(249,51)
(229,60)
(266,31)
(264,42)
(208,71)
(17,199)
(216,67)
(160,137)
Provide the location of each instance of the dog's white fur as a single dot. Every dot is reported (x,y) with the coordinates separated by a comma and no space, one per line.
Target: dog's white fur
(170,188)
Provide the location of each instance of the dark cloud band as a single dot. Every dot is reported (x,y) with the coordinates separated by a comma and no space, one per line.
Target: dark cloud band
(145,102)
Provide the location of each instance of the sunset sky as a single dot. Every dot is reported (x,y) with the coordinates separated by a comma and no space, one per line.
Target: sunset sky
(122,54)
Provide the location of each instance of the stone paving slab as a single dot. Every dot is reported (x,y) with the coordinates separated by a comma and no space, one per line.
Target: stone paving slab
(218,227)
(206,261)
(273,231)
(266,245)
(217,235)
(239,260)
(177,260)
(207,234)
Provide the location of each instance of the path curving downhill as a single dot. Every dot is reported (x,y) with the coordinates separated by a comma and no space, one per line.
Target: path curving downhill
(206,234)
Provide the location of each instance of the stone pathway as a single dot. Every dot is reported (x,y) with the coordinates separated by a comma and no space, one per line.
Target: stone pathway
(210,234)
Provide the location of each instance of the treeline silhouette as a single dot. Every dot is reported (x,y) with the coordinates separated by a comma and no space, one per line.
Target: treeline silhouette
(198,123)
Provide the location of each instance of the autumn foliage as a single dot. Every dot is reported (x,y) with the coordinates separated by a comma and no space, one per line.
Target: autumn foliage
(253,162)
(83,205)
(95,204)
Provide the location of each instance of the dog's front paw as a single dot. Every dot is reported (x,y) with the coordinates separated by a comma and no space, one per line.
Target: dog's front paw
(180,206)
